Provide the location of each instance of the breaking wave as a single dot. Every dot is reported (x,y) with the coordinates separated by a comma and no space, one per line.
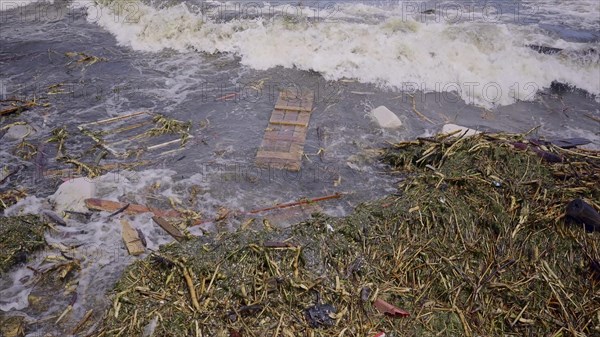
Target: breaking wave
(486,63)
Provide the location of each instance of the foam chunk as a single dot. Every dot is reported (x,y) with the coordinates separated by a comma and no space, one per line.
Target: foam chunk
(385,118)
(71,194)
(463,130)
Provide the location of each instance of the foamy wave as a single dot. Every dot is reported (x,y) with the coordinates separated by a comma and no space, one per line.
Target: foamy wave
(14,4)
(488,64)
(580,14)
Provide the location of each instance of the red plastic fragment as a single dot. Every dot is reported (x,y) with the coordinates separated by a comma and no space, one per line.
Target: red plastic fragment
(234,333)
(389,310)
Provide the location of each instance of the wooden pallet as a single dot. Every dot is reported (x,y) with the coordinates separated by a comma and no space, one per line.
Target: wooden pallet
(283,144)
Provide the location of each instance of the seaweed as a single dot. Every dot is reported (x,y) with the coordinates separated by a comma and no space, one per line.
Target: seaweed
(475,243)
(19,237)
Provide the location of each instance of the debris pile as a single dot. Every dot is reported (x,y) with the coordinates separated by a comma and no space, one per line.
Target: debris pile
(475,242)
(19,237)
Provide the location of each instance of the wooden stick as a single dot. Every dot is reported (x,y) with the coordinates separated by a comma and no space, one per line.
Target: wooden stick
(228,96)
(296,203)
(279,206)
(289,123)
(85,318)
(169,228)
(192,289)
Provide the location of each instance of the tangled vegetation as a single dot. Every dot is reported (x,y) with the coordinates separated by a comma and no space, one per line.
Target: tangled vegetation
(475,243)
(19,237)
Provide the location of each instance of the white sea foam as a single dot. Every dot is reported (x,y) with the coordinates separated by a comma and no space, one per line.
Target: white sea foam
(99,244)
(580,14)
(488,64)
(6,5)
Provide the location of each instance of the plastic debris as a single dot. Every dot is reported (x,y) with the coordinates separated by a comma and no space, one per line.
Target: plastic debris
(19,131)
(320,315)
(458,130)
(72,193)
(584,213)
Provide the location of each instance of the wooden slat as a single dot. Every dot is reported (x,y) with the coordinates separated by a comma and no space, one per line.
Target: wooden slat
(293,108)
(279,155)
(290,123)
(169,228)
(279,164)
(131,238)
(293,100)
(269,136)
(112,206)
(293,215)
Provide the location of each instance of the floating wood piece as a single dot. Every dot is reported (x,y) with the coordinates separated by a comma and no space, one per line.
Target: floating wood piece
(123,135)
(283,143)
(296,203)
(25,106)
(113,206)
(132,240)
(288,216)
(169,228)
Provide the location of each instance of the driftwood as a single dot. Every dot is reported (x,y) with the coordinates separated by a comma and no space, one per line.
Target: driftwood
(132,240)
(113,206)
(296,203)
(169,228)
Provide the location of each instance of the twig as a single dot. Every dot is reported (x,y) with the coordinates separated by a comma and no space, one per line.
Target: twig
(120,210)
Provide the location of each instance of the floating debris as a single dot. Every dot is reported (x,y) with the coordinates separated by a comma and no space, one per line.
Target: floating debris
(19,237)
(17,106)
(133,242)
(11,197)
(57,219)
(83,58)
(114,206)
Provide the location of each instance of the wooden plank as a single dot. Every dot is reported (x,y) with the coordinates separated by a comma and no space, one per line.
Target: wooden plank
(305,125)
(287,165)
(131,238)
(112,206)
(293,215)
(293,108)
(169,228)
(285,138)
(275,146)
(279,155)
(298,100)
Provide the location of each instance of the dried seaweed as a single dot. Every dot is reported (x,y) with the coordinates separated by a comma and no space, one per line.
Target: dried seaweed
(474,244)
(166,125)
(19,237)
